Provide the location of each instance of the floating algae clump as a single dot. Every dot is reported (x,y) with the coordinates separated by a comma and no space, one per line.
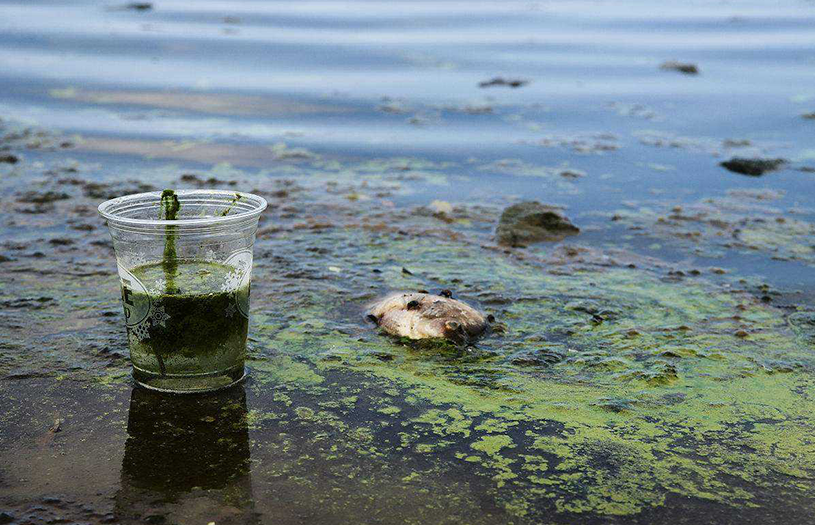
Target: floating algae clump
(658,398)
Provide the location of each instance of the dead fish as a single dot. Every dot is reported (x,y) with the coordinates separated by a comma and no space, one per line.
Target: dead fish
(422,315)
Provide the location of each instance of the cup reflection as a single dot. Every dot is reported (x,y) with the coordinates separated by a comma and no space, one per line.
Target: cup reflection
(186,459)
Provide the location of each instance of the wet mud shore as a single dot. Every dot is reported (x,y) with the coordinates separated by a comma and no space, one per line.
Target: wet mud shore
(624,388)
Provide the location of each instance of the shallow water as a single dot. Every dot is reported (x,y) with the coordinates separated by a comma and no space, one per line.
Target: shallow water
(351,118)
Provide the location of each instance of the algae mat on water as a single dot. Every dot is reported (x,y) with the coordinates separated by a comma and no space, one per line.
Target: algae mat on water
(611,391)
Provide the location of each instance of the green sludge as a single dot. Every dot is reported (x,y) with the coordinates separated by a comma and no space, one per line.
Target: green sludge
(198,329)
(661,398)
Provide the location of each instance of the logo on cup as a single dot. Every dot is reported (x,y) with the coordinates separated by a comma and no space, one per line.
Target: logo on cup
(238,279)
(135,300)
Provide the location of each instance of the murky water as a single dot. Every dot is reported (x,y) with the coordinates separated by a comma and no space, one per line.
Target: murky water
(364,125)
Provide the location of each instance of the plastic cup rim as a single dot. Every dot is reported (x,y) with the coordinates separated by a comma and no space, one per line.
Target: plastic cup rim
(203,221)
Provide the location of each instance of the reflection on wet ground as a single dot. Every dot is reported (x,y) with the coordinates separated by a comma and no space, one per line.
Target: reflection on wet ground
(655,367)
(189,454)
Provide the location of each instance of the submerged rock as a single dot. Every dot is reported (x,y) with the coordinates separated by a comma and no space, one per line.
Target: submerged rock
(682,67)
(423,315)
(532,221)
(500,81)
(810,116)
(752,167)
(43,197)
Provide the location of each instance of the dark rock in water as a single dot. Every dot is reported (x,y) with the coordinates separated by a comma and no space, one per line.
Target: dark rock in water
(9,159)
(35,303)
(499,81)
(810,116)
(752,167)
(101,190)
(6,517)
(139,6)
(43,197)
(532,221)
(682,67)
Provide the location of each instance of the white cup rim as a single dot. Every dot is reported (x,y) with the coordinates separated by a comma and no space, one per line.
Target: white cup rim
(108,209)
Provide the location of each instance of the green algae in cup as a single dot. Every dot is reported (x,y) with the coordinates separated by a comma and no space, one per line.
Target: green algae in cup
(185,260)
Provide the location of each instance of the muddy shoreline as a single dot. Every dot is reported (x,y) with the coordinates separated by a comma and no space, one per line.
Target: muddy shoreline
(609,357)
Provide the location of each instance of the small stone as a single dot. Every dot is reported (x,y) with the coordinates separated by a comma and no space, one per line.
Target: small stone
(572,174)
(9,159)
(741,333)
(61,242)
(531,221)
(45,197)
(499,81)
(682,67)
(752,167)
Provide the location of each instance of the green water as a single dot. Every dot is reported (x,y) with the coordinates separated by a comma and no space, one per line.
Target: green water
(197,329)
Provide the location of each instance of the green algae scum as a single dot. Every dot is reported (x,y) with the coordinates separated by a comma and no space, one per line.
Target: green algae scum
(197,337)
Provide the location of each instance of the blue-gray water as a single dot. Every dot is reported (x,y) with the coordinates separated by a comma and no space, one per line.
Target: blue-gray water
(350,80)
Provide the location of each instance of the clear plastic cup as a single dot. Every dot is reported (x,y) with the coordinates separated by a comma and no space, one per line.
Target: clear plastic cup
(185,285)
